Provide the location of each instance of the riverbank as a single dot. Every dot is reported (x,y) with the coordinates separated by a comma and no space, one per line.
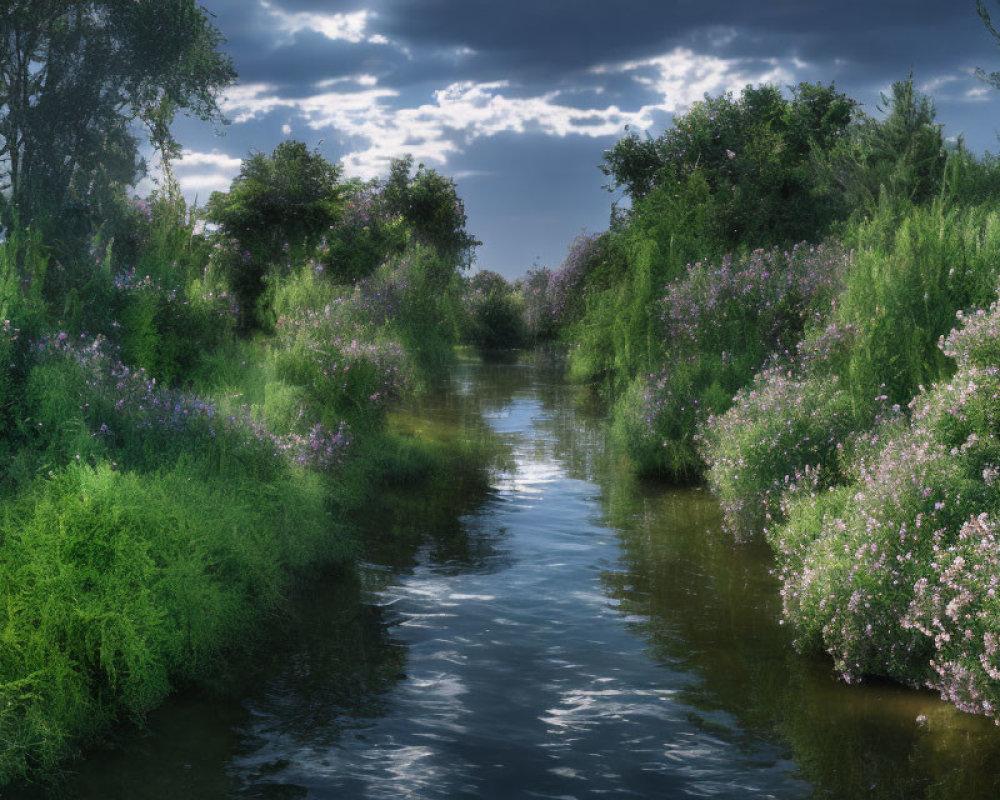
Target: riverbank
(574,629)
(181,448)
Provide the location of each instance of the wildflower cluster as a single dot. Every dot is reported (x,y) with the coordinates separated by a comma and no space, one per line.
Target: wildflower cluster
(721,324)
(128,279)
(131,400)
(379,301)
(770,295)
(896,573)
(793,421)
(328,353)
(363,207)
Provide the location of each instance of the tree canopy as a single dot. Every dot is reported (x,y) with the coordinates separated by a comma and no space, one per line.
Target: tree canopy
(277,208)
(78,81)
(748,157)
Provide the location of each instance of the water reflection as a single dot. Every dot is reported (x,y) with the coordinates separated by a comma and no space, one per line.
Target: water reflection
(713,610)
(574,633)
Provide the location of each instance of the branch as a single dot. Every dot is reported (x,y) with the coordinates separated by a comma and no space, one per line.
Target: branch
(984,15)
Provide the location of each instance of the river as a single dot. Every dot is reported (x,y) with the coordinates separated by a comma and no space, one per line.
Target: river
(574,634)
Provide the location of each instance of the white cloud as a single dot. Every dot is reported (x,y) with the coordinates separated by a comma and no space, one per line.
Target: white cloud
(252,100)
(350,27)
(203,173)
(936,84)
(191,159)
(361,79)
(459,114)
(368,118)
(682,77)
(963,87)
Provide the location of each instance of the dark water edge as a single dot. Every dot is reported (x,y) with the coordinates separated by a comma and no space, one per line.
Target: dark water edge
(576,633)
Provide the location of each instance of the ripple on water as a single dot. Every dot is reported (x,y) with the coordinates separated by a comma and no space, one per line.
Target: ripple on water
(571,638)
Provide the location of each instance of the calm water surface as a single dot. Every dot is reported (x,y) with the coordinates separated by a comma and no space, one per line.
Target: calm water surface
(574,634)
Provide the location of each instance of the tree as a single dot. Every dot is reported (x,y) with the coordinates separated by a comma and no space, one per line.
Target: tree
(277,208)
(76,79)
(900,157)
(430,204)
(751,153)
(990,77)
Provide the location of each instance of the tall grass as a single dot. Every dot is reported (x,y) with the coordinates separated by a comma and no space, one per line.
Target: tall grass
(912,271)
(617,336)
(117,587)
(718,324)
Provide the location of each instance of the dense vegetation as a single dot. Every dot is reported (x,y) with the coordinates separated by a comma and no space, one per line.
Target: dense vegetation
(188,414)
(799,307)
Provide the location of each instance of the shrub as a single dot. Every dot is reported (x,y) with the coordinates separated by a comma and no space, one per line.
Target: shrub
(493,313)
(794,420)
(719,325)
(909,276)
(536,302)
(115,587)
(277,208)
(751,156)
(894,573)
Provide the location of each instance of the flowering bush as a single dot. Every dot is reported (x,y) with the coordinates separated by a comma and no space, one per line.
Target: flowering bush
(720,324)
(566,284)
(129,412)
(329,355)
(795,419)
(895,574)
(536,302)
(910,275)
(165,330)
(367,233)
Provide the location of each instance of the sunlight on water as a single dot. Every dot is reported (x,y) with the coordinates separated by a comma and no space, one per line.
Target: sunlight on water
(577,635)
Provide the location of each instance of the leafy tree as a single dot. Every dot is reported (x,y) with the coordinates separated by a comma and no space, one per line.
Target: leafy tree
(430,204)
(75,77)
(901,155)
(494,310)
(278,207)
(752,153)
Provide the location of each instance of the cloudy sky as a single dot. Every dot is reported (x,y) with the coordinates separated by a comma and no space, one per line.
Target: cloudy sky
(517,100)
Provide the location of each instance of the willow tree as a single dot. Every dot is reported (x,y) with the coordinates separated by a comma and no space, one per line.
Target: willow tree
(81,82)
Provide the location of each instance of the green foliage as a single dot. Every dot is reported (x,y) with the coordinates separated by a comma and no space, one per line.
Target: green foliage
(750,172)
(898,158)
(73,77)
(753,154)
(617,337)
(912,271)
(367,234)
(430,204)
(993,78)
(539,313)
(880,573)
(277,209)
(118,586)
(494,318)
(719,324)
(23,263)
(791,424)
